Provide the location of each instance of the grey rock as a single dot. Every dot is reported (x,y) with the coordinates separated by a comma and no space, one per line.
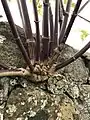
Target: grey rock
(33,103)
(75,71)
(9,51)
(86,59)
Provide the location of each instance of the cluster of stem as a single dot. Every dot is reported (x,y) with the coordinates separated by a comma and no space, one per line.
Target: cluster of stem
(51,37)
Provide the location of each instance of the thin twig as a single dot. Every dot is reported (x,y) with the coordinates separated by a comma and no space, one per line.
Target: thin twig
(83,18)
(83,6)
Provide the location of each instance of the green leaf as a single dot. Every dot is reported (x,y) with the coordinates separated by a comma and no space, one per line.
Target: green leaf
(84,34)
(73,4)
(65,1)
(39,6)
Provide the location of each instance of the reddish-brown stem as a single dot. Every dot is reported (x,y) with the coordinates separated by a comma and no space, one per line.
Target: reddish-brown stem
(71,20)
(37,50)
(51,31)
(56,23)
(45,32)
(15,33)
(78,54)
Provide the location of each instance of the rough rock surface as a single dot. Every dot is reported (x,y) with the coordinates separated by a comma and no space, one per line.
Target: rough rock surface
(33,103)
(9,51)
(64,96)
(76,70)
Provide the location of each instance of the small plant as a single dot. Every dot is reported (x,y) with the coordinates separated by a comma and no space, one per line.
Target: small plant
(84,34)
(51,37)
